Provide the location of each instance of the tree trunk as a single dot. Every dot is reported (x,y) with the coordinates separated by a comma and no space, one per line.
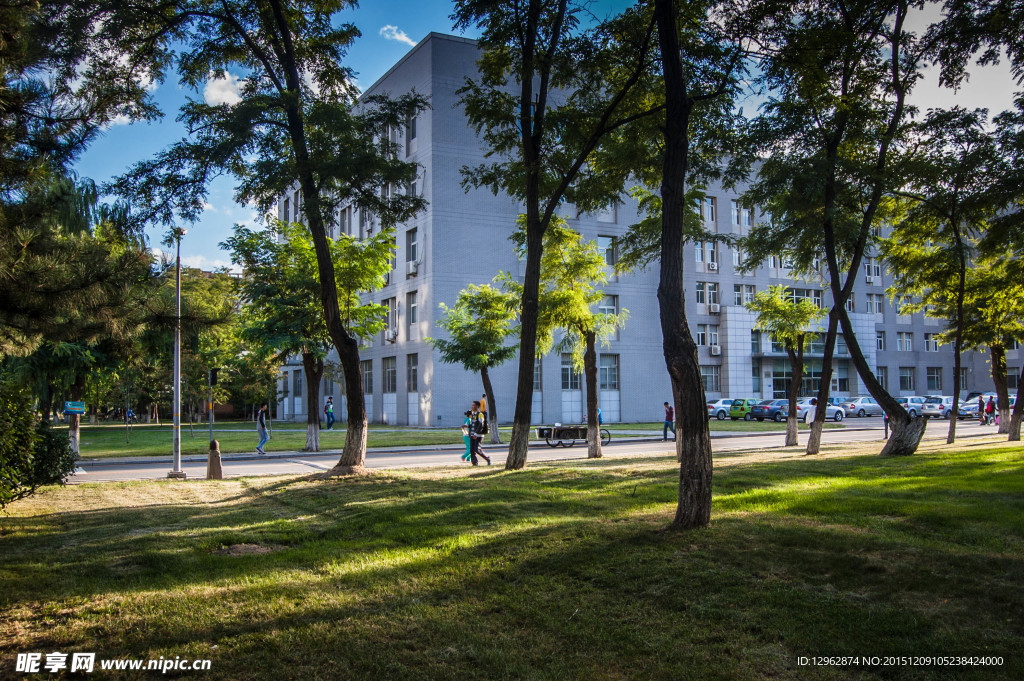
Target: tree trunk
(520,438)
(1018,412)
(492,407)
(590,375)
(958,343)
(354,454)
(313,369)
(693,441)
(46,401)
(821,411)
(997,353)
(74,420)
(796,369)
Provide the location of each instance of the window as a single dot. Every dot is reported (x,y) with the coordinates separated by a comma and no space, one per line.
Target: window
(538,374)
(743,293)
(963,379)
(904,341)
(411,313)
(608,372)
(707,292)
(297,383)
(392,312)
(841,348)
(710,252)
(345,221)
(608,305)
(1012,374)
(734,206)
(738,257)
(698,251)
(882,374)
(907,379)
(879,340)
(366,370)
(934,379)
(287,210)
(412,251)
(707,209)
(842,378)
(874,302)
(295,205)
(755,342)
(389,368)
(570,377)
(746,217)
(755,375)
(931,344)
(707,334)
(873,268)
(410,132)
(851,302)
(412,370)
(606,247)
(711,377)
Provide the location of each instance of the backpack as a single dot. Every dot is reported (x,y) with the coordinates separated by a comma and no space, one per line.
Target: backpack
(480,426)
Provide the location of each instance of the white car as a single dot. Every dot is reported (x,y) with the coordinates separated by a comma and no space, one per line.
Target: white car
(831,411)
(719,409)
(862,406)
(937,407)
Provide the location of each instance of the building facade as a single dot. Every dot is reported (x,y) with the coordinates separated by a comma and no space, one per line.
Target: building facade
(462,237)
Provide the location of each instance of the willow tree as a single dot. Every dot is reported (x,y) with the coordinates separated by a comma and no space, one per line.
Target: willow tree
(572,272)
(546,95)
(296,124)
(789,321)
(479,326)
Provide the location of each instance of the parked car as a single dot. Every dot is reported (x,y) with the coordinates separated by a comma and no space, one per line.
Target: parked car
(740,409)
(862,406)
(832,411)
(913,404)
(937,407)
(776,410)
(968,410)
(719,409)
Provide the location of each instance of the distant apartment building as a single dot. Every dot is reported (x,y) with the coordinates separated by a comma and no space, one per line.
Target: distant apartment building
(463,237)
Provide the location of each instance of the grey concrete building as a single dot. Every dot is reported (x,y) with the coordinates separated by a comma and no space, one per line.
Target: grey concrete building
(463,237)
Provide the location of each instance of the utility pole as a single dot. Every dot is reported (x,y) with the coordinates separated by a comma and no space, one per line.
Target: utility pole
(212,381)
(176,471)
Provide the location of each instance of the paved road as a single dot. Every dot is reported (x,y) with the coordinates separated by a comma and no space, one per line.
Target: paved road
(301,463)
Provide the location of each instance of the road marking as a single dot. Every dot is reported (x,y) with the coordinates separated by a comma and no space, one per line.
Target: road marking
(307,463)
(80,471)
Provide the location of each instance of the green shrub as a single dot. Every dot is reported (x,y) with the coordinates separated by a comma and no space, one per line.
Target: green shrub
(31,455)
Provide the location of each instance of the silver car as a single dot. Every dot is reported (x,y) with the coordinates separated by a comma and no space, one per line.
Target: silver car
(937,407)
(913,404)
(832,412)
(861,406)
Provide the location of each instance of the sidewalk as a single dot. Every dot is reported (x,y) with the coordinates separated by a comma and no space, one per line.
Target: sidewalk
(617,436)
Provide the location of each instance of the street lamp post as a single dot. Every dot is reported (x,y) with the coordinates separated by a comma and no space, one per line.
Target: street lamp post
(176,471)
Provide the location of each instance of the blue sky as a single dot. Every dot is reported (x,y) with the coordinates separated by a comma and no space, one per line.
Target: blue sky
(389,29)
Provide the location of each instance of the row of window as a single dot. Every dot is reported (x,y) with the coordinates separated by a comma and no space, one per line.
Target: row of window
(708,211)
(905,341)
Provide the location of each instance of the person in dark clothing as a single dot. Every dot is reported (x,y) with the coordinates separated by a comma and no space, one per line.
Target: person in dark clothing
(670,422)
(990,411)
(329,412)
(261,428)
(476,434)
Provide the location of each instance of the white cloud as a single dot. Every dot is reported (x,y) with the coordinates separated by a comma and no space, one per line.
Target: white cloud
(223,90)
(390,32)
(203,263)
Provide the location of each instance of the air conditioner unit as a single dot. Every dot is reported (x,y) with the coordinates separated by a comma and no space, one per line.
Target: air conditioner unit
(412,267)
(869,279)
(714,308)
(391,335)
(712,267)
(716,350)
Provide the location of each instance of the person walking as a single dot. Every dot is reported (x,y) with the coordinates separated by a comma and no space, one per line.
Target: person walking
(990,411)
(483,405)
(476,433)
(261,428)
(467,425)
(981,410)
(329,412)
(670,422)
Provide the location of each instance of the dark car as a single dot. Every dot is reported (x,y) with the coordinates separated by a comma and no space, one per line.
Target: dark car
(776,410)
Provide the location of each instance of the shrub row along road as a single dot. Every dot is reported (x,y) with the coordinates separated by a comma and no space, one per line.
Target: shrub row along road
(297,463)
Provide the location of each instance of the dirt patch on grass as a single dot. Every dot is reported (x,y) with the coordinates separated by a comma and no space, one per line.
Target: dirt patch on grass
(343,472)
(246,549)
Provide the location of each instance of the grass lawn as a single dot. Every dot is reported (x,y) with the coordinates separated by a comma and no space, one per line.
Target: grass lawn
(100,442)
(555,572)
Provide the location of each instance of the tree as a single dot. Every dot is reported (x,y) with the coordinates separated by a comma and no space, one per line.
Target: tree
(571,272)
(837,76)
(546,96)
(788,320)
(295,124)
(952,177)
(479,324)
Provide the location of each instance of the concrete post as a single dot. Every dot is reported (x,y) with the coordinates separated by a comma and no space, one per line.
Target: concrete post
(213,467)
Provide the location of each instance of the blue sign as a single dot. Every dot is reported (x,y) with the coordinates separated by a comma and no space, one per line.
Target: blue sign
(74,407)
